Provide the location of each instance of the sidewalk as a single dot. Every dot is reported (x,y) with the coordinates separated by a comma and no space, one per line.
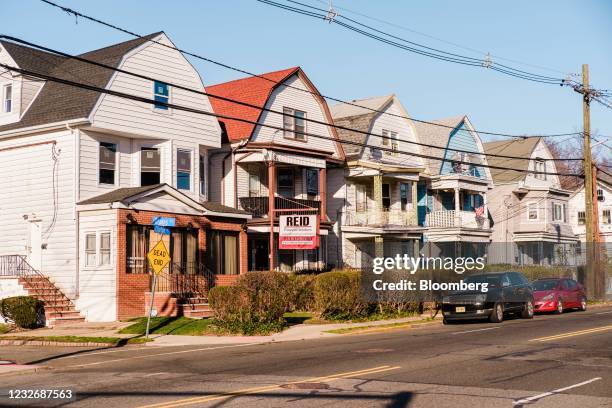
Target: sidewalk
(293,333)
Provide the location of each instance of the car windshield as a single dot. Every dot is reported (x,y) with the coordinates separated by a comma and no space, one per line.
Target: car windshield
(544,284)
(493,281)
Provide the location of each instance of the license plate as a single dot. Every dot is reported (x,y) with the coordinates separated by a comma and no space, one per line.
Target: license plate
(460,309)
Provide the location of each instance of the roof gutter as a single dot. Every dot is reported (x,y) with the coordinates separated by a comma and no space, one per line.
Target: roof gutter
(42,128)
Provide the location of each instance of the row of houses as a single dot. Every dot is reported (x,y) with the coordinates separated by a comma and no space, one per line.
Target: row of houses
(89,175)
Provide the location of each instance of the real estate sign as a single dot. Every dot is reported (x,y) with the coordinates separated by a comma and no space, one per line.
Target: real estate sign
(298,232)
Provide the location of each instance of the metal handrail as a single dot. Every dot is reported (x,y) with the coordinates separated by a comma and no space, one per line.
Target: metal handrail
(17,265)
(186,280)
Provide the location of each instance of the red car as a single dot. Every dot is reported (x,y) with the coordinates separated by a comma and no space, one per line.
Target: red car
(557,295)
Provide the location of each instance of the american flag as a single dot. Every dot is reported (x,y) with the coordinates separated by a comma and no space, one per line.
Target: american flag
(479,211)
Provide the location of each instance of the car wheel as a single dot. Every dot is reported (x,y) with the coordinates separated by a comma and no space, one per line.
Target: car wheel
(527,310)
(559,307)
(497,315)
(583,304)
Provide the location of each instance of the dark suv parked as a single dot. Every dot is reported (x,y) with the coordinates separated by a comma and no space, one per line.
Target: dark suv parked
(507,292)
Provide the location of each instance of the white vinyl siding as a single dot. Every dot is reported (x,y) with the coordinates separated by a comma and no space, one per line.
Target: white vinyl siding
(288,96)
(28,184)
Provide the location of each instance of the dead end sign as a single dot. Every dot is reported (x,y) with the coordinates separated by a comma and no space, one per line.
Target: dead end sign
(158,257)
(298,232)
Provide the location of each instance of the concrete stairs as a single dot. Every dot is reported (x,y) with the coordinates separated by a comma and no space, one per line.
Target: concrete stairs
(194,307)
(58,308)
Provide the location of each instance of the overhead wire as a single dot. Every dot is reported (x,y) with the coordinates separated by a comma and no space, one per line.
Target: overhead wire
(228,117)
(250,105)
(280,83)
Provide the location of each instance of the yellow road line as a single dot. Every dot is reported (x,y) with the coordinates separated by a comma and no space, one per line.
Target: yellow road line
(573,334)
(255,390)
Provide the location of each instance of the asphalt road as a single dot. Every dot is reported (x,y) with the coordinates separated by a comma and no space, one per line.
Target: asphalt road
(550,361)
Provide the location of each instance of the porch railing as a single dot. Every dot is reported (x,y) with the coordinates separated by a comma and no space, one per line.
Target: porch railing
(374,217)
(258,206)
(452,218)
(186,280)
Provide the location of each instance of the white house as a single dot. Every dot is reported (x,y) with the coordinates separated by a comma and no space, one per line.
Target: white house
(376,193)
(577,215)
(86,173)
(529,209)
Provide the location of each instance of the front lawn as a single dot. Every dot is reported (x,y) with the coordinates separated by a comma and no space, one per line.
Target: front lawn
(78,339)
(172,325)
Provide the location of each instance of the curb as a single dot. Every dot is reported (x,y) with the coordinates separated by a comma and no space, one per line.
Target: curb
(55,343)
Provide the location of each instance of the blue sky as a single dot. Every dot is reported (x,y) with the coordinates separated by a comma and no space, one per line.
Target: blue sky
(552,33)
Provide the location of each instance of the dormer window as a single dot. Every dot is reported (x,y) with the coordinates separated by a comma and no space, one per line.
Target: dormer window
(161,93)
(7,98)
(540,169)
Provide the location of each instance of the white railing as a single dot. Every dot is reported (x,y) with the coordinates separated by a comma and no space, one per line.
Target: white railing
(374,217)
(451,218)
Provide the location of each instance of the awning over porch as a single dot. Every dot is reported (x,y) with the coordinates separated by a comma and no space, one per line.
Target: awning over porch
(158,198)
(266,155)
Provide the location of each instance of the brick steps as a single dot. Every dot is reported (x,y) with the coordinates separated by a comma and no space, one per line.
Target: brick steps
(197,307)
(58,308)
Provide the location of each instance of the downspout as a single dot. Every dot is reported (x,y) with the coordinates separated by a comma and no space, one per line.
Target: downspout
(76,193)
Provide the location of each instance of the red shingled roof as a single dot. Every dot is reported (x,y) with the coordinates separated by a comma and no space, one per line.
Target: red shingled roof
(252,90)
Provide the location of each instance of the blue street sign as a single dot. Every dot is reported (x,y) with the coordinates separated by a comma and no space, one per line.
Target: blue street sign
(162,225)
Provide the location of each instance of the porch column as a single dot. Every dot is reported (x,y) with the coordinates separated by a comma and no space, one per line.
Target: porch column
(379,250)
(457,208)
(271,194)
(415,208)
(378,198)
(323,192)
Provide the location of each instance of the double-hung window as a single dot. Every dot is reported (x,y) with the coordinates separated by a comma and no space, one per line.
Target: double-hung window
(540,169)
(294,123)
(389,140)
(107,162)
(532,211)
(361,197)
(7,98)
(606,217)
(557,212)
(600,194)
(386,196)
(161,93)
(183,169)
(150,166)
(406,195)
(203,174)
(285,186)
(97,249)
(312,183)
(581,217)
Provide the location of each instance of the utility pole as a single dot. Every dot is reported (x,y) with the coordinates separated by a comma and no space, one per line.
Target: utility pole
(588,184)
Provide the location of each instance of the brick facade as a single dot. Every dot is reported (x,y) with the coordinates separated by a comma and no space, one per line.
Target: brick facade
(132,288)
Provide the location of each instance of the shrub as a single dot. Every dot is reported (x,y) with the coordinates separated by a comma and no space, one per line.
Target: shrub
(254,305)
(25,311)
(337,296)
(302,292)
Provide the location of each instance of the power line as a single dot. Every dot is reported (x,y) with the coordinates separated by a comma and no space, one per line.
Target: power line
(279,83)
(474,50)
(219,116)
(235,101)
(424,50)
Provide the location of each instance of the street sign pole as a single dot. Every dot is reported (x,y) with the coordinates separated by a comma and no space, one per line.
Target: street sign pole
(151,305)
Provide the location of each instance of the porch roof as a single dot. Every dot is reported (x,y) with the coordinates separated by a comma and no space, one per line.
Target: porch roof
(127,196)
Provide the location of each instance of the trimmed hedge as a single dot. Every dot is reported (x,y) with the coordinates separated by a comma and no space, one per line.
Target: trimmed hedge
(25,311)
(302,296)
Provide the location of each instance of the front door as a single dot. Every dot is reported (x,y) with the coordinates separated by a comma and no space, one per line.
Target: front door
(259,255)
